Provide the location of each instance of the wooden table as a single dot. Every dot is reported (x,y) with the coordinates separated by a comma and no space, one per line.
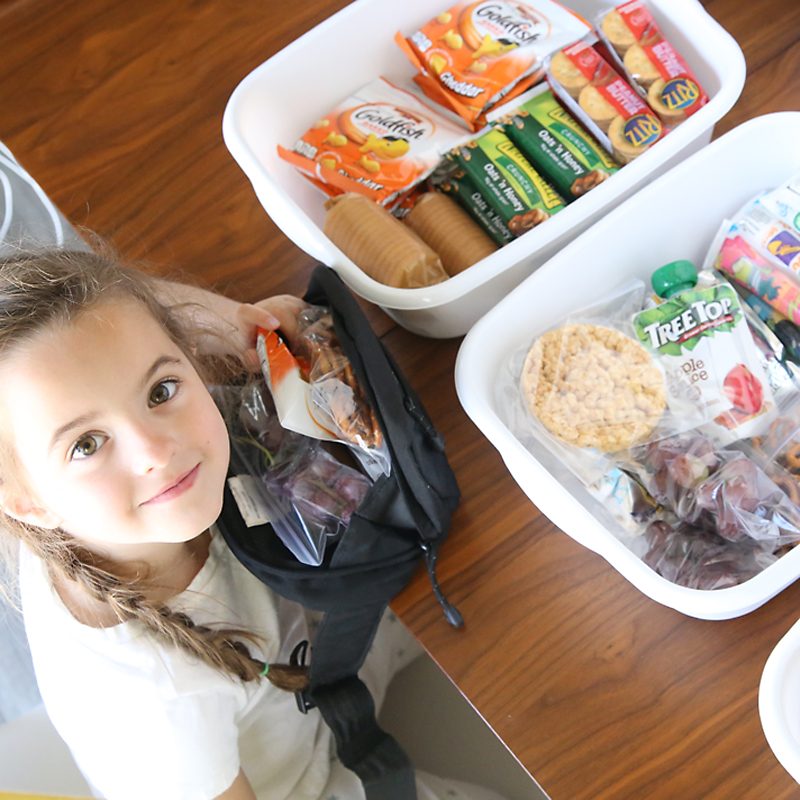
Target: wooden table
(115,107)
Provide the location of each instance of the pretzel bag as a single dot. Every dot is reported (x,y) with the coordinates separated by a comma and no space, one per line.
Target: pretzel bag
(337,398)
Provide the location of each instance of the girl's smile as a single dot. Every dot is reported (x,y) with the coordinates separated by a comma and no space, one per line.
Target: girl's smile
(183,484)
(118,439)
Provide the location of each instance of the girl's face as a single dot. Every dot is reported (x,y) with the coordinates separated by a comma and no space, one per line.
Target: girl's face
(119,440)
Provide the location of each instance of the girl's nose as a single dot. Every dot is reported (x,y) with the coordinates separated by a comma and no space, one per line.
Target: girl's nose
(152,449)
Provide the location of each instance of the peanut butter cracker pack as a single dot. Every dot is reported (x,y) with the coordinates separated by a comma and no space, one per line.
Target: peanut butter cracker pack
(379,142)
(603,102)
(655,69)
(477,54)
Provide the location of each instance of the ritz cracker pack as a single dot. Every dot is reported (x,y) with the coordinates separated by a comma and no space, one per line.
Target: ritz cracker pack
(475,54)
(379,142)
(594,92)
(655,69)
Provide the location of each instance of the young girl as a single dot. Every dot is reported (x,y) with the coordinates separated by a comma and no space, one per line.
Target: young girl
(157,654)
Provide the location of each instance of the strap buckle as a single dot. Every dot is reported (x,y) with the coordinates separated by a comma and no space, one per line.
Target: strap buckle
(298,659)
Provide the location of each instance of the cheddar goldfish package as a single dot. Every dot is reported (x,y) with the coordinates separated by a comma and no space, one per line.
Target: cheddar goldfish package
(380,142)
(477,54)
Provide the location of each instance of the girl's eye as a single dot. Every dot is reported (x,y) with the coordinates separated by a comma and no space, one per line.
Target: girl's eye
(163,391)
(87,445)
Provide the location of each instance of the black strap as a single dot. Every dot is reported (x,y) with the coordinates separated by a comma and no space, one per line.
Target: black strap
(340,647)
(362,746)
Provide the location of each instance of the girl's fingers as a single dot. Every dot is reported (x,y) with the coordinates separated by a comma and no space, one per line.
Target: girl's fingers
(259,317)
(251,361)
(280,311)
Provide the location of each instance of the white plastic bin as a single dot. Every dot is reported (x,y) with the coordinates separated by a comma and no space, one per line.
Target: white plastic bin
(278,101)
(779,701)
(675,217)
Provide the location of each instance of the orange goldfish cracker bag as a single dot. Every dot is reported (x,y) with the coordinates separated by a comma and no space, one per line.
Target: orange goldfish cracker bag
(476,54)
(380,142)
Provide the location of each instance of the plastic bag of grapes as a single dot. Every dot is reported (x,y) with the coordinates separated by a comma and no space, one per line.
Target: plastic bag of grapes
(720,491)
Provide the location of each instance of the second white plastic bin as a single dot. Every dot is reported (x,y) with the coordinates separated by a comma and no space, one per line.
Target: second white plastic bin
(675,217)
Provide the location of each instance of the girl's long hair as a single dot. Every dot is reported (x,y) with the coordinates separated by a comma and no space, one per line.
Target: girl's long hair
(47,288)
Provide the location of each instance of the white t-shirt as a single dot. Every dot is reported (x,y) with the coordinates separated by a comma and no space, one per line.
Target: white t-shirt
(144,719)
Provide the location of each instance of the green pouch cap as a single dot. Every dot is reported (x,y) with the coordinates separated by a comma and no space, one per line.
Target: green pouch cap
(673,278)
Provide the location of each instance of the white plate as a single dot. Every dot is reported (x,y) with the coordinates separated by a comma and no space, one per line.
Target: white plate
(779,701)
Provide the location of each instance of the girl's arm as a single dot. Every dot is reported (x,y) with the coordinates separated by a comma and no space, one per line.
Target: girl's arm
(240,789)
(234,323)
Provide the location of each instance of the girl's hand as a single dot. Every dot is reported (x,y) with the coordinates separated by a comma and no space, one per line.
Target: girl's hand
(280,311)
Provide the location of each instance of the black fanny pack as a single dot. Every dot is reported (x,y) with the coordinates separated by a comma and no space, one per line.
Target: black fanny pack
(403,518)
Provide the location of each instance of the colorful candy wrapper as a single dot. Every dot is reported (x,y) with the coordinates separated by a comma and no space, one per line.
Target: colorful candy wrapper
(740,260)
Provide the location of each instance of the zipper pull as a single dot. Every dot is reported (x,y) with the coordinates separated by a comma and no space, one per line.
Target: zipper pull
(451,613)
(435,438)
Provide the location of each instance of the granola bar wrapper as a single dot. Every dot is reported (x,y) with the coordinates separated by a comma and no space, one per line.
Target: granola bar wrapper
(508,181)
(475,55)
(657,71)
(457,184)
(557,146)
(380,142)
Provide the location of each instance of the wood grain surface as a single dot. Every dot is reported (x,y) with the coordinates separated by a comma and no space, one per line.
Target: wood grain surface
(115,107)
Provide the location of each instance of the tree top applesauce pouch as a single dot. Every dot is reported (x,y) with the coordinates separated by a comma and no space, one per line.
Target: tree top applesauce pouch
(379,142)
(475,54)
(700,336)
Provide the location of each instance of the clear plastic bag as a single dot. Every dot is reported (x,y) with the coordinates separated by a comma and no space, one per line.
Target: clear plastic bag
(631,398)
(286,478)
(337,399)
(720,491)
(691,557)
(780,446)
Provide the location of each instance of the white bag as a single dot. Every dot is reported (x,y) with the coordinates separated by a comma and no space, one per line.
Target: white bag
(28,218)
